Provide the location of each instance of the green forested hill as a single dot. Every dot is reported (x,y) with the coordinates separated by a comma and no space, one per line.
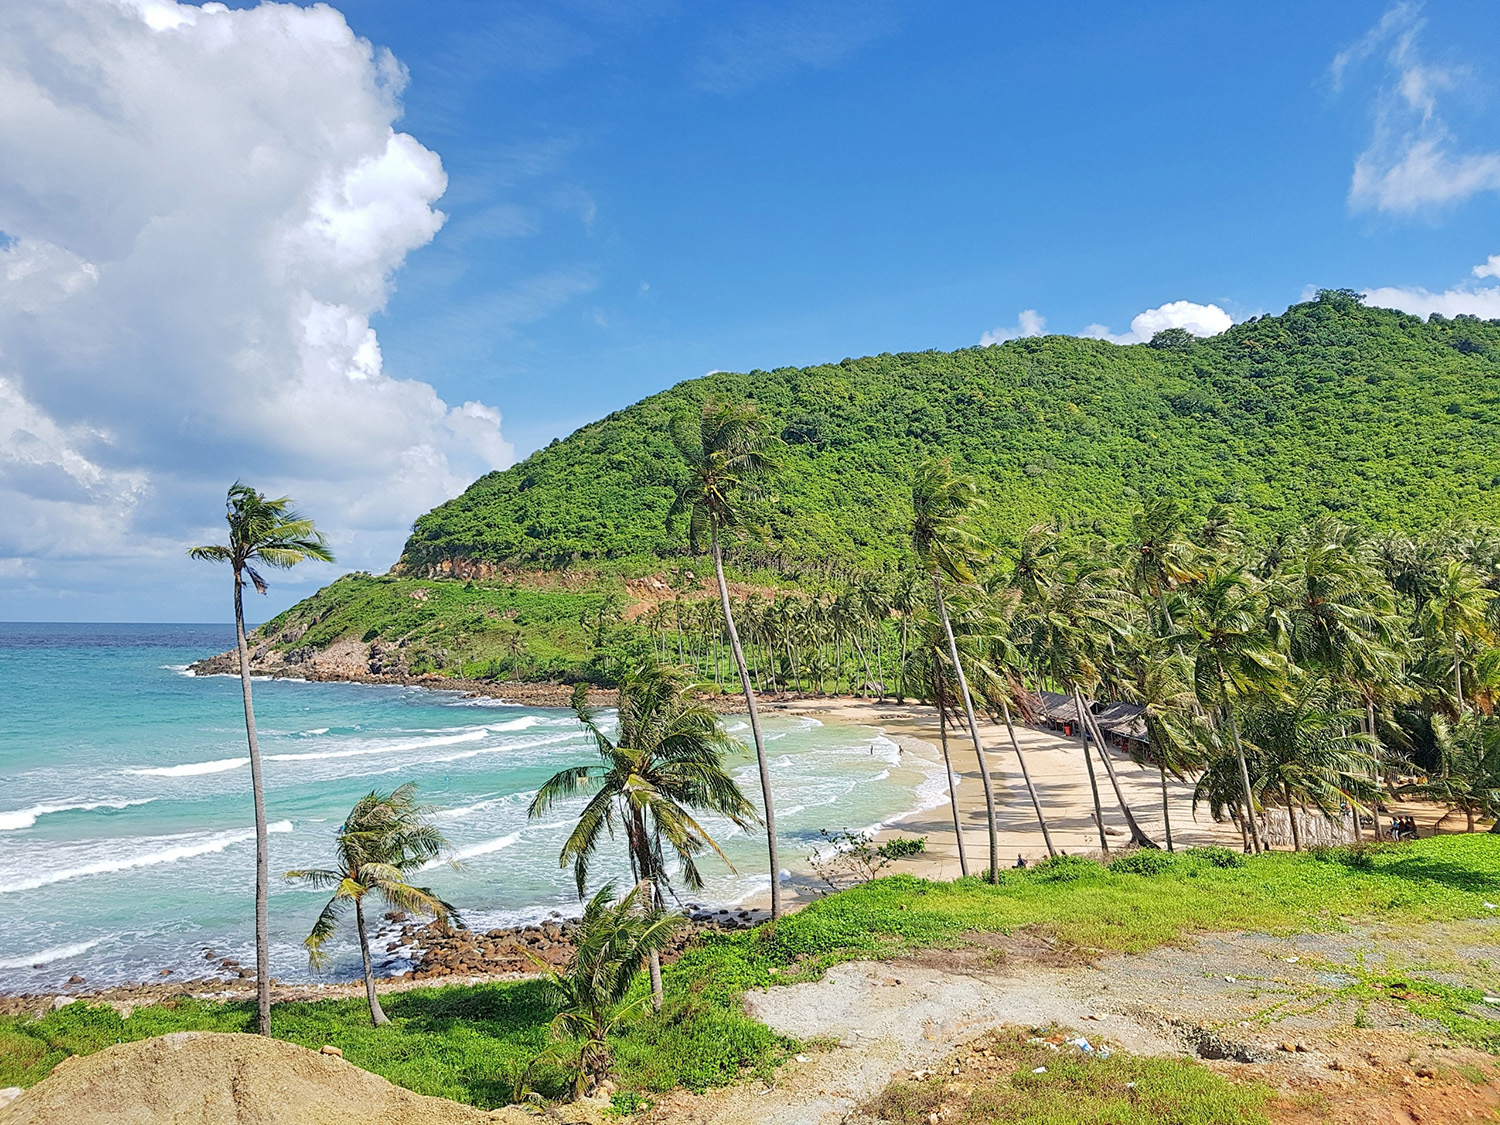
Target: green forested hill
(1370,413)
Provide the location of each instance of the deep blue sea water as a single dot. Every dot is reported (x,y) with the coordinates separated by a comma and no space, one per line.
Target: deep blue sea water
(126,842)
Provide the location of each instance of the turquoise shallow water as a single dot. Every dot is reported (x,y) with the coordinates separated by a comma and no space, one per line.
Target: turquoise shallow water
(125,810)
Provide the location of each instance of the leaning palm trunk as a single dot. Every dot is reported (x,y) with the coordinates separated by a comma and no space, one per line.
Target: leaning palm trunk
(262,854)
(760,744)
(1088,763)
(1239,753)
(1137,836)
(377,1013)
(1026,773)
(958,832)
(984,768)
(1166,814)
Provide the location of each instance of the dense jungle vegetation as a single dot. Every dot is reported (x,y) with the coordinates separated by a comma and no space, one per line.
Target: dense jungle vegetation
(1370,414)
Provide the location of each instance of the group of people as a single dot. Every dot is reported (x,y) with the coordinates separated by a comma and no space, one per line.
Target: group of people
(1404,828)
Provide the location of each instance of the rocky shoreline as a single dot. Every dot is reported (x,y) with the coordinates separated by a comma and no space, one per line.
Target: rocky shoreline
(436,952)
(271,664)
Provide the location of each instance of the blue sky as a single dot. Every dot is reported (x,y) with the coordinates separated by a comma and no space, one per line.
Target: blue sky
(362,254)
(792,184)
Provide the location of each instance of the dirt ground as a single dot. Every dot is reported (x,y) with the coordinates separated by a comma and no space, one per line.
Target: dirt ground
(1251,1006)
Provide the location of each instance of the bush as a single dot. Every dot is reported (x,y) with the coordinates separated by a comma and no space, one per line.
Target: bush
(1067,868)
(900,847)
(1144,861)
(1361,857)
(1215,856)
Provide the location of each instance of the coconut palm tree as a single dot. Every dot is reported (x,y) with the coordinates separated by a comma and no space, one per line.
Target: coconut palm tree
(1076,611)
(943,506)
(1173,726)
(262,533)
(1226,639)
(384,839)
(730,463)
(1457,613)
(1309,753)
(593,990)
(1467,777)
(666,762)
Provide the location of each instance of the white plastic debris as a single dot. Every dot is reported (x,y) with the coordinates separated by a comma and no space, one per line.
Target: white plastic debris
(1039,1070)
(1292,960)
(1491,906)
(801,1058)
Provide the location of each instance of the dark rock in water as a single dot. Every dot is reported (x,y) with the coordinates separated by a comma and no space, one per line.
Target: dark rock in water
(75,979)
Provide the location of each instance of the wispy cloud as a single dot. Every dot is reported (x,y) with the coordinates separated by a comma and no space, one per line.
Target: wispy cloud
(1414,160)
(770,40)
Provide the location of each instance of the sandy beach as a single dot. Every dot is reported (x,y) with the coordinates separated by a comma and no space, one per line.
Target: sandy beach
(1057,768)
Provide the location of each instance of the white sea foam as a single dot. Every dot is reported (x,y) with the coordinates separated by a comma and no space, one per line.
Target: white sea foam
(47,956)
(25,818)
(525,722)
(185,846)
(485,847)
(190,769)
(459,811)
(393,747)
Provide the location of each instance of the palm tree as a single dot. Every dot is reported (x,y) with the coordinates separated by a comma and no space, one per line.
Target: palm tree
(942,506)
(729,460)
(1171,720)
(593,991)
(1231,653)
(1467,777)
(1456,612)
(1077,611)
(667,760)
(385,838)
(261,533)
(1308,754)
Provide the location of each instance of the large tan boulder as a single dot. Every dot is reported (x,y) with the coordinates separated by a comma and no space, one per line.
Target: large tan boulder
(206,1078)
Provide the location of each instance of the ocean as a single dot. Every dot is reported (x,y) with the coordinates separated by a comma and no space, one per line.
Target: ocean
(126,824)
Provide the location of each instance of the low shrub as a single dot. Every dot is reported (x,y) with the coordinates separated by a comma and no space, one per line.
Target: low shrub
(1144,861)
(1215,856)
(1066,868)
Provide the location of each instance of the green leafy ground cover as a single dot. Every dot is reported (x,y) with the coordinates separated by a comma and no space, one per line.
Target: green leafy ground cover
(473,1043)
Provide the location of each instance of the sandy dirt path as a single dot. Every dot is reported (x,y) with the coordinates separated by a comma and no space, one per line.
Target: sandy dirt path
(1250,1005)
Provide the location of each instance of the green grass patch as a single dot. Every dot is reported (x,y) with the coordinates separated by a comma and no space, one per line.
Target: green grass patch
(1010,1079)
(474,1043)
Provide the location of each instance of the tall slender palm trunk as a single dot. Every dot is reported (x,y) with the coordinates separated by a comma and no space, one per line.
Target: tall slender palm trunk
(1137,835)
(958,832)
(1088,763)
(1458,678)
(1026,773)
(262,855)
(1166,815)
(984,767)
(760,743)
(1239,753)
(377,1013)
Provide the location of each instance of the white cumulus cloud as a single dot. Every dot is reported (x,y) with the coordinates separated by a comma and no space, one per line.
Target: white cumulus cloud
(1200,320)
(1414,160)
(201,211)
(1028,323)
(1482,301)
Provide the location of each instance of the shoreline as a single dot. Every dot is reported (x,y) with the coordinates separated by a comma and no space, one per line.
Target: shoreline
(1056,764)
